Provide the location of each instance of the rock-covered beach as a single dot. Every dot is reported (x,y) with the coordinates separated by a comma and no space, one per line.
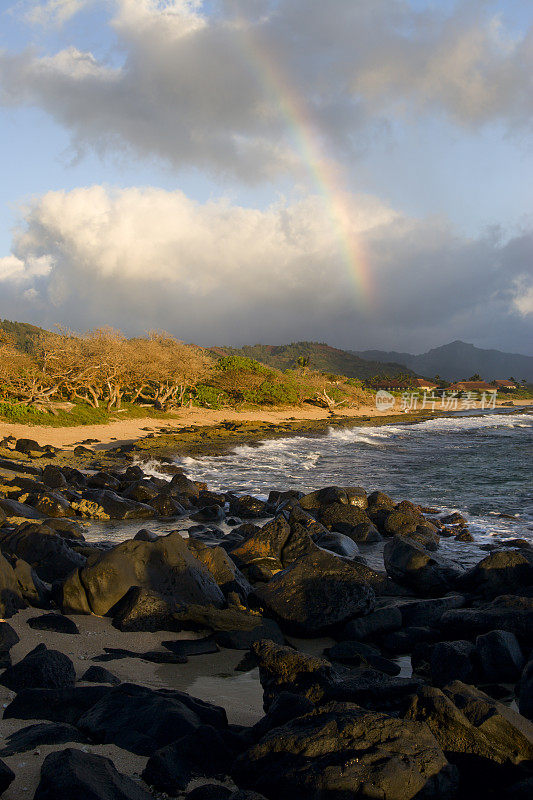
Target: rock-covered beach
(318,645)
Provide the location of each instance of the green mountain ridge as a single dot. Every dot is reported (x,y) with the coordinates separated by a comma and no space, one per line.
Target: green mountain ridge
(458,360)
(321,357)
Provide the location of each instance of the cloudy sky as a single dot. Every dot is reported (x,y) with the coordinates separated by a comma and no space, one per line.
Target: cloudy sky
(242,171)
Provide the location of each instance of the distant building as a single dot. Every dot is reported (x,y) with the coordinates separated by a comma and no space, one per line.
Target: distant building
(472,386)
(413,383)
(424,385)
(505,385)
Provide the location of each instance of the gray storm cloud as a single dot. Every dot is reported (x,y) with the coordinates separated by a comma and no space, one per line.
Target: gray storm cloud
(217,272)
(217,90)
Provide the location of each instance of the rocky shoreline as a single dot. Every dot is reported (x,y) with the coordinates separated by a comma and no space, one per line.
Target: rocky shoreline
(409,679)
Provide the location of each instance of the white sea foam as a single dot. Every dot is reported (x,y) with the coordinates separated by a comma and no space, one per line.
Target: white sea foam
(466,463)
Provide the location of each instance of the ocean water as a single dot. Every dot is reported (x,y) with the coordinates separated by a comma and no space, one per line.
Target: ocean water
(478,464)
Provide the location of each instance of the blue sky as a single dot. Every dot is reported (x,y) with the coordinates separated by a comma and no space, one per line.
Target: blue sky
(432,137)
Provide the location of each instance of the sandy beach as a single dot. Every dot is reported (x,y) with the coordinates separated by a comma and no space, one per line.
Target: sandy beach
(121,431)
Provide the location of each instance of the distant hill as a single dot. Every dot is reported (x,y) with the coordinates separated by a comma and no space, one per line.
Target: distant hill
(22,333)
(322,357)
(459,360)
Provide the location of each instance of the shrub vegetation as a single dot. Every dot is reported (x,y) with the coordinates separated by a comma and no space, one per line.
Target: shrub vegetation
(84,378)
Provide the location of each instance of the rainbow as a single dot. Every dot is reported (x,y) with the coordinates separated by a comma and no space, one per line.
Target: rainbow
(323,172)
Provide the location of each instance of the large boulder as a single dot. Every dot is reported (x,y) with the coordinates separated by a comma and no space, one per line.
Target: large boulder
(500,656)
(506,730)
(484,745)
(409,563)
(142,721)
(56,705)
(53,477)
(40,669)
(146,610)
(52,504)
(34,736)
(338,544)
(165,566)
(451,661)
(282,669)
(506,613)
(420,613)
(203,752)
(349,495)
(29,447)
(350,520)
(48,553)
(318,593)
(33,590)
(221,567)
(342,750)
(382,620)
(10,595)
(277,541)
(73,773)
(247,507)
(403,520)
(12,508)
(506,571)
(106,504)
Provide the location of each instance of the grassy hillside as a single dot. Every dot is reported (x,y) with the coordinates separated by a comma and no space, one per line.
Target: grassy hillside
(322,358)
(22,333)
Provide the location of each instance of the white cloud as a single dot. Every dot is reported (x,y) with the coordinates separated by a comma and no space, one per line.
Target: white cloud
(54,12)
(523,299)
(17,270)
(216,272)
(223,91)
(11,268)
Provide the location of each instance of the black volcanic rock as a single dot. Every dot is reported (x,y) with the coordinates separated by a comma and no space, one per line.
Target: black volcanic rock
(56,705)
(40,669)
(500,656)
(73,773)
(318,593)
(53,622)
(7,776)
(142,721)
(342,750)
(46,551)
(409,563)
(97,674)
(502,572)
(42,733)
(165,566)
(506,613)
(453,661)
(203,752)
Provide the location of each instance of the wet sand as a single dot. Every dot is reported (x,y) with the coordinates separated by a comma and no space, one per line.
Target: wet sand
(209,677)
